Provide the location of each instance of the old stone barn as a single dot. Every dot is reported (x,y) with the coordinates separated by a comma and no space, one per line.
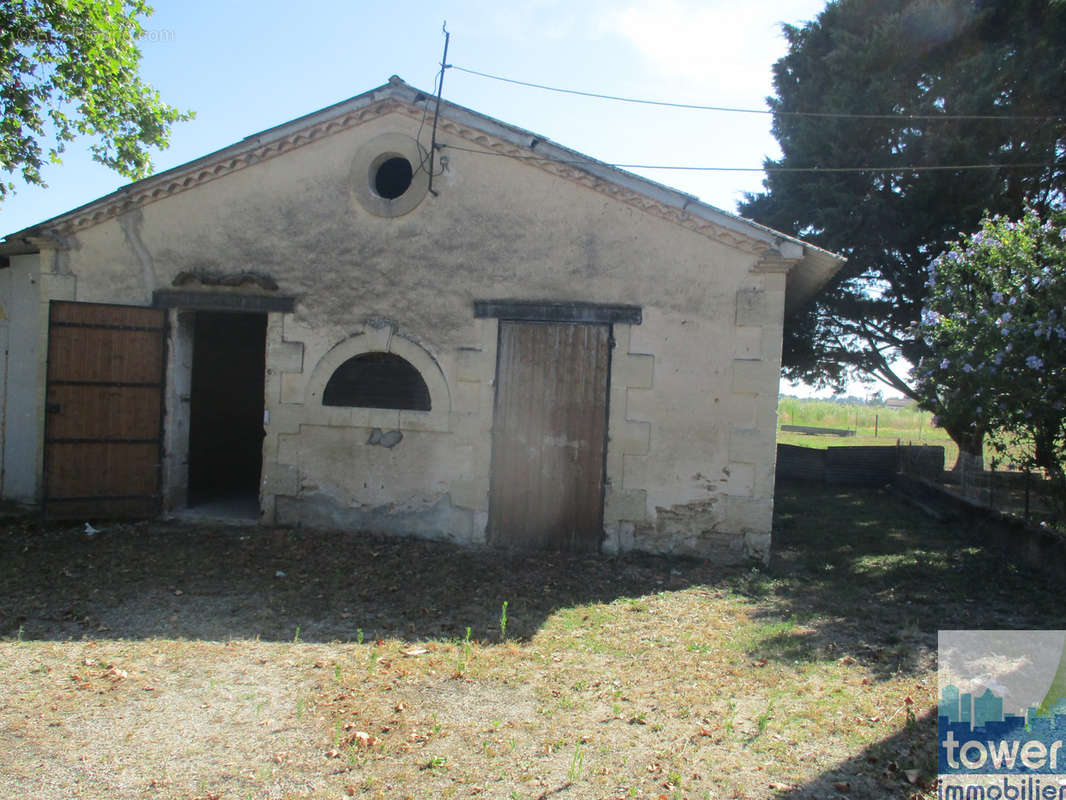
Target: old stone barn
(522,348)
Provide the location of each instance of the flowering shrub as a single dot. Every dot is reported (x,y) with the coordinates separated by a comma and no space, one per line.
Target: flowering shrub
(995,320)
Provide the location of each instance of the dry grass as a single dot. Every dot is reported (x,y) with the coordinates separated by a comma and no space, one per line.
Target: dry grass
(132,666)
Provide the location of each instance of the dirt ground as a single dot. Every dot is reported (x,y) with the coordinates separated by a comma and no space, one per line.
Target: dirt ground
(180,662)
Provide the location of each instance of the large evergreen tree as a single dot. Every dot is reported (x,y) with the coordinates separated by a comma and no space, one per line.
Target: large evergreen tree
(920,93)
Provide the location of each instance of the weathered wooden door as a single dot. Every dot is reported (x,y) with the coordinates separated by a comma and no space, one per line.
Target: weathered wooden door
(549,436)
(104,411)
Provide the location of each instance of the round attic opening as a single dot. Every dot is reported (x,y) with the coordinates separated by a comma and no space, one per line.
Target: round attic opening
(393,177)
(385,177)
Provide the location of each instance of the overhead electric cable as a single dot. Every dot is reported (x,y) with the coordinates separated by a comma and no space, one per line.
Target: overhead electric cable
(682,167)
(765,111)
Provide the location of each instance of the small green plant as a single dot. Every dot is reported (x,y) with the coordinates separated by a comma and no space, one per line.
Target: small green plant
(732,715)
(762,721)
(18,636)
(437,762)
(358,635)
(460,666)
(503,622)
(337,673)
(301,704)
(296,638)
(577,764)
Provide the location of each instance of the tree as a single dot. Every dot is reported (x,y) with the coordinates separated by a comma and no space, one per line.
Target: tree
(995,326)
(956,83)
(69,67)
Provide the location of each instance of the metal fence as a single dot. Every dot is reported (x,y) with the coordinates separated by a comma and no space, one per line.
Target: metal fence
(1026,495)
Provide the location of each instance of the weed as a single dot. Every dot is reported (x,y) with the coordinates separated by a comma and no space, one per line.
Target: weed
(296,638)
(761,722)
(437,762)
(460,665)
(337,673)
(503,622)
(18,636)
(729,720)
(577,764)
(301,706)
(358,635)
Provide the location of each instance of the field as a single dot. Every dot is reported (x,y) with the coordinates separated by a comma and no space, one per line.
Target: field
(873,425)
(191,663)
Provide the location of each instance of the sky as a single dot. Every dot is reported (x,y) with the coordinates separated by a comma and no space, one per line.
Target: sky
(244,67)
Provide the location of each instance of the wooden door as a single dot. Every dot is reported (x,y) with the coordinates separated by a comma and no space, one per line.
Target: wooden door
(104,411)
(549,436)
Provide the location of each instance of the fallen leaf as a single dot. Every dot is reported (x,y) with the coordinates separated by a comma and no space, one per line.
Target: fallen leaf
(415,651)
(365,739)
(842,786)
(911,775)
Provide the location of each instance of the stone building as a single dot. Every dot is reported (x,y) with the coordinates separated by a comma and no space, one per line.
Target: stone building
(496,340)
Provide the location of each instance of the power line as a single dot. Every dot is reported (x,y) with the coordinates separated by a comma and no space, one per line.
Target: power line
(815,170)
(764,111)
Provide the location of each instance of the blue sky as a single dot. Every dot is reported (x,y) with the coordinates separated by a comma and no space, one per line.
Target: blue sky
(244,66)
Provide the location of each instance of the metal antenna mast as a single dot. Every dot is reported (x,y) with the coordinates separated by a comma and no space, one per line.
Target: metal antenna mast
(436,111)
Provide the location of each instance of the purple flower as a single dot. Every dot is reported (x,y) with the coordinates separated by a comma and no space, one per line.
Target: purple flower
(945,364)
(997,297)
(1003,320)
(1012,301)
(1033,362)
(1062,234)
(967,368)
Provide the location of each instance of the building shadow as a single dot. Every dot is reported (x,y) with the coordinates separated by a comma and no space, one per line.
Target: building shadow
(855,573)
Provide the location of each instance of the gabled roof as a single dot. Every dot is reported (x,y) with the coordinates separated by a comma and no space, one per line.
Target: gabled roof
(809,267)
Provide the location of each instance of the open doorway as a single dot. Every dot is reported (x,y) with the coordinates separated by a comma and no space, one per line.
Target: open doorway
(226,413)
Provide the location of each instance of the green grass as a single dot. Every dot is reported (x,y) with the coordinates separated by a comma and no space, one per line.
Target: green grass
(873,426)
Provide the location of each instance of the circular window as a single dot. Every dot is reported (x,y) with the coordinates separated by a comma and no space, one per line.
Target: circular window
(386,178)
(393,177)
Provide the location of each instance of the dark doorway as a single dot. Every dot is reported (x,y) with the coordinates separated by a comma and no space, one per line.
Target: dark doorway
(226,411)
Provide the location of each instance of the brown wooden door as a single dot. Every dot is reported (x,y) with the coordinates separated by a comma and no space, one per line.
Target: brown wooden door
(549,435)
(104,411)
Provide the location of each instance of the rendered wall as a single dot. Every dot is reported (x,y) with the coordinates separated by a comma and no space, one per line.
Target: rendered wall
(25,292)
(693,389)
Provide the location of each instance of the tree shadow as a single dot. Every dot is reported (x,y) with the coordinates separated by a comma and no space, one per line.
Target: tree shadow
(901,765)
(864,575)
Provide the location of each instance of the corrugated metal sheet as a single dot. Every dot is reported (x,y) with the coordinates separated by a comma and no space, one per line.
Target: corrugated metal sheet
(549,436)
(104,411)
